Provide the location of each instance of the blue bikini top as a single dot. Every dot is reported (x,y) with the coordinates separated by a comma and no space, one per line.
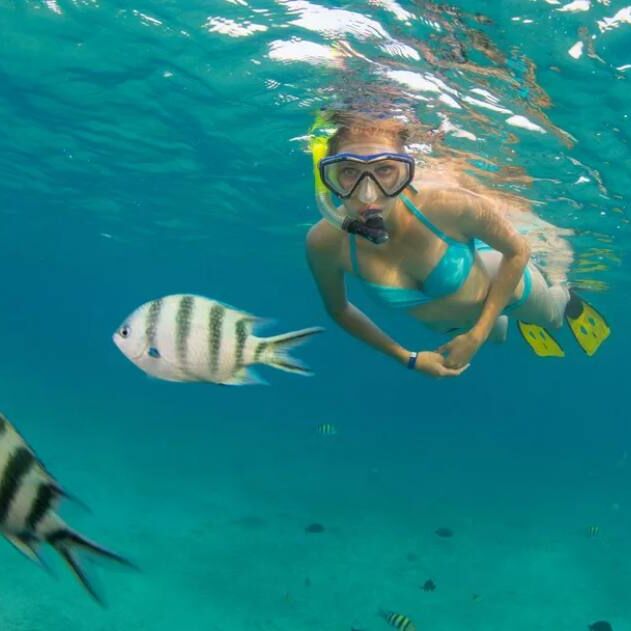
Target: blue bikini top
(446,278)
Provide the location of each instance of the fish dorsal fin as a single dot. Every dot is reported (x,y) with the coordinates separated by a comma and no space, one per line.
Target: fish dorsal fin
(250,318)
(251,321)
(69,496)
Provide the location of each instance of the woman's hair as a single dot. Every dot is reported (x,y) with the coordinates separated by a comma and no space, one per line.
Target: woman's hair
(446,166)
(351,125)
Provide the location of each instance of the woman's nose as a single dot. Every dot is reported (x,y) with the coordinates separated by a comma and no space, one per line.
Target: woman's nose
(367,191)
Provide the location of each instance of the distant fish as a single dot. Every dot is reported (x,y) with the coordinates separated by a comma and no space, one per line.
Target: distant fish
(192,338)
(592,531)
(28,499)
(445,533)
(429,585)
(327,429)
(601,625)
(398,621)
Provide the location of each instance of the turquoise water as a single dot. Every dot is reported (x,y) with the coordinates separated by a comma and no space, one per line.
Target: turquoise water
(155,149)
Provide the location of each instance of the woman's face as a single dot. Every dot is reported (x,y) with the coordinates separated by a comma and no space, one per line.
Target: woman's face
(368,197)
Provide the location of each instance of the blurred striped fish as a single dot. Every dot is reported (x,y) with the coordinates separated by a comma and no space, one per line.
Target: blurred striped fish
(28,499)
(327,429)
(191,338)
(592,531)
(398,620)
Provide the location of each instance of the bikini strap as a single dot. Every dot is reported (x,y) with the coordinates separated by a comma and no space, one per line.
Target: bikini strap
(352,249)
(425,221)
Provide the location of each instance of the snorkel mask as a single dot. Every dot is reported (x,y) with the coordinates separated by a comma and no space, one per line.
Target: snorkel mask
(343,173)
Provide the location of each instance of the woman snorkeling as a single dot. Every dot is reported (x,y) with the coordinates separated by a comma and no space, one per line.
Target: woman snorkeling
(425,244)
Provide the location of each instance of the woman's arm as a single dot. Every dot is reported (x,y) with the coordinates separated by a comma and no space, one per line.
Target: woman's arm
(478,219)
(329,277)
(482,221)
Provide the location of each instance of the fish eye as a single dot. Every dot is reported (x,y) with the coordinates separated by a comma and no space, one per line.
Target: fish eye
(125,331)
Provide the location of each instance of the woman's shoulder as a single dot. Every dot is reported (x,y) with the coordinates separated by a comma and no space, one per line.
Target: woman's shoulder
(445,200)
(324,238)
(451,209)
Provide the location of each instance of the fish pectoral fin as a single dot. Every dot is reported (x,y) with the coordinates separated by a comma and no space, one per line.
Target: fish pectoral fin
(245,376)
(26,548)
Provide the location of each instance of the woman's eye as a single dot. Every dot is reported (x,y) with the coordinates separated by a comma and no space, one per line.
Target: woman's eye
(348,172)
(385,171)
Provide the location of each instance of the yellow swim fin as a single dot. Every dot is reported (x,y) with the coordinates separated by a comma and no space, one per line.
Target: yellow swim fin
(588,326)
(541,342)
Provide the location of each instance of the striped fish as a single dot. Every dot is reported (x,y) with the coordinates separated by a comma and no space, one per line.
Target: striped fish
(192,338)
(327,429)
(398,620)
(592,531)
(29,496)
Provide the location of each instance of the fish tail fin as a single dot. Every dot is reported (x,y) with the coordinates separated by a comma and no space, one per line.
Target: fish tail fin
(274,350)
(67,542)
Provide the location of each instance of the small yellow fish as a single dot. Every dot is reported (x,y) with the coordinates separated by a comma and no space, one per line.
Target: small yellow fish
(327,429)
(398,620)
(592,531)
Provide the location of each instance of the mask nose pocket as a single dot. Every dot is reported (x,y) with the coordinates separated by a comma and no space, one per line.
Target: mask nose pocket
(367,192)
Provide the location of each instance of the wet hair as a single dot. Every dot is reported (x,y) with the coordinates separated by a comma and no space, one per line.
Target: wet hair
(350,125)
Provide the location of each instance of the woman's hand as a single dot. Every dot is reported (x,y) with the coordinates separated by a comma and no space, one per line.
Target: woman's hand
(434,364)
(459,350)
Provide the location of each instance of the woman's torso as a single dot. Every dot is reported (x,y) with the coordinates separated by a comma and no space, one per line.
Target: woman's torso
(414,256)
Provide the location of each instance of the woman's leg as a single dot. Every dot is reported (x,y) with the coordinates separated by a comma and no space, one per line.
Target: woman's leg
(545,305)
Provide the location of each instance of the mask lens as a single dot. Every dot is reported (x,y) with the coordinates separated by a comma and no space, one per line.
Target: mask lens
(342,177)
(391,175)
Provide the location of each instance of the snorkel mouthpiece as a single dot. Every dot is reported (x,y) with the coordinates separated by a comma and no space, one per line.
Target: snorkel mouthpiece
(372,228)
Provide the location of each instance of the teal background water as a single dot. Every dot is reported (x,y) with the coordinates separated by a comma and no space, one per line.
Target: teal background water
(146,151)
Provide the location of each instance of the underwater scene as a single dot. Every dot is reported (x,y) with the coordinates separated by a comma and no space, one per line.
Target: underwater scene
(314,315)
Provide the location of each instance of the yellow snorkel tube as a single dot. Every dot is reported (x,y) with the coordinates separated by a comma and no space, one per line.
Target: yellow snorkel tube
(373,227)
(319,147)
